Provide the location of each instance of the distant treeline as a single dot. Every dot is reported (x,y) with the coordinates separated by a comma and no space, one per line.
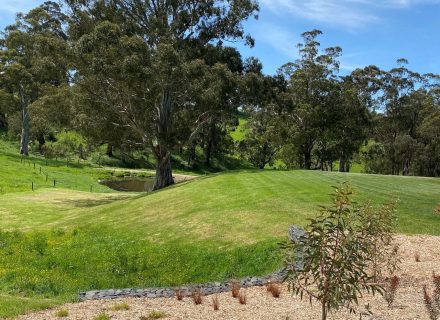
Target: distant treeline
(157,77)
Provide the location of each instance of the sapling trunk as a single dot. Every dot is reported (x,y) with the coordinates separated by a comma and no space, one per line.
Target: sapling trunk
(323,311)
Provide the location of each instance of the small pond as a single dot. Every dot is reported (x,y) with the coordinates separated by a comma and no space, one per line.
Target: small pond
(130,184)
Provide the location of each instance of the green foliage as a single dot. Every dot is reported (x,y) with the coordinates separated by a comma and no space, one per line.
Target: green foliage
(62,313)
(336,253)
(102,316)
(121,306)
(378,227)
(66,145)
(154,315)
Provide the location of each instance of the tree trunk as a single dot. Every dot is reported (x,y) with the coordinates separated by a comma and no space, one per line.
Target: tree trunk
(210,144)
(323,311)
(307,160)
(41,142)
(341,164)
(406,167)
(109,150)
(24,143)
(164,172)
(3,123)
(192,154)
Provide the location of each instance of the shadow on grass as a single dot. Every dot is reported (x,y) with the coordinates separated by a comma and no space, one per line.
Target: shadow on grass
(90,203)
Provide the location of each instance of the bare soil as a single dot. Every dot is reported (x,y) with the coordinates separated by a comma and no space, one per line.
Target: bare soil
(261,305)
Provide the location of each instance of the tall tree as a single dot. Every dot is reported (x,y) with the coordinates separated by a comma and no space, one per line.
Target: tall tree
(136,56)
(33,57)
(310,81)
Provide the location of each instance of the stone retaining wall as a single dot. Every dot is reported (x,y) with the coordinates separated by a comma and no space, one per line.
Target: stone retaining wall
(206,289)
(295,232)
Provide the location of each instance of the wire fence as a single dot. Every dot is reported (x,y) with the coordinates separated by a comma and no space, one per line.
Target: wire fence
(50,179)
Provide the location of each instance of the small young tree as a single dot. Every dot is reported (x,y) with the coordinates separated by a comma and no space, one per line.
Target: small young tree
(336,256)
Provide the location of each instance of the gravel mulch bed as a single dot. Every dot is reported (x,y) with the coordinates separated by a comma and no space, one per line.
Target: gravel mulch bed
(261,305)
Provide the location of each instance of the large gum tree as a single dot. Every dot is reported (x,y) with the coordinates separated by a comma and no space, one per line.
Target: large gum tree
(33,60)
(137,58)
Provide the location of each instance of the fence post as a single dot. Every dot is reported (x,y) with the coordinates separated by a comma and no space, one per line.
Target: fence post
(40,169)
(54,183)
(32,186)
(46,177)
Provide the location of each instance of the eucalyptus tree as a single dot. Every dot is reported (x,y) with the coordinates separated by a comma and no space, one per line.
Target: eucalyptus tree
(217,98)
(33,57)
(136,57)
(261,96)
(310,81)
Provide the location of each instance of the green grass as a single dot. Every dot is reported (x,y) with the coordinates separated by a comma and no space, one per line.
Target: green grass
(17,173)
(154,315)
(102,316)
(55,242)
(240,132)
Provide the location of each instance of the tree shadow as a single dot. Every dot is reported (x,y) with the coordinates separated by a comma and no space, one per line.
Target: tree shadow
(90,203)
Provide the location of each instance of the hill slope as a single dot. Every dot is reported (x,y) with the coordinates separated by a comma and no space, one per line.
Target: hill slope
(212,228)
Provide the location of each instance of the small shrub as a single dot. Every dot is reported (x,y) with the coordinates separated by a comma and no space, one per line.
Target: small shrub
(215,303)
(391,289)
(242,297)
(179,294)
(102,316)
(121,306)
(62,313)
(197,296)
(236,286)
(274,289)
(154,315)
(430,304)
(417,257)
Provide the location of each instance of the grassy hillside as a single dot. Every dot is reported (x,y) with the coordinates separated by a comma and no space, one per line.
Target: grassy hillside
(17,173)
(56,241)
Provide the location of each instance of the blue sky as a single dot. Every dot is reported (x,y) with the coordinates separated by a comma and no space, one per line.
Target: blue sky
(369,31)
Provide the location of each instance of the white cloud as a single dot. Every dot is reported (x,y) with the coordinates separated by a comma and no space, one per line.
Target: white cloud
(277,37)
(351,14)
(15,6)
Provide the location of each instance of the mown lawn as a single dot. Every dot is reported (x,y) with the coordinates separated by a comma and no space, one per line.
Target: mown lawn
(57,241)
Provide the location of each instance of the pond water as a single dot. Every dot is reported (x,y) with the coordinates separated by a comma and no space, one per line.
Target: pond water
(130,184)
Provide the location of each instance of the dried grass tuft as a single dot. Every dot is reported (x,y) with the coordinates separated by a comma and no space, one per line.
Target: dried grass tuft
(242,297)
(274,288)
(417,257)
(215,303)
(179,294)
(197,296)
(236,286)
